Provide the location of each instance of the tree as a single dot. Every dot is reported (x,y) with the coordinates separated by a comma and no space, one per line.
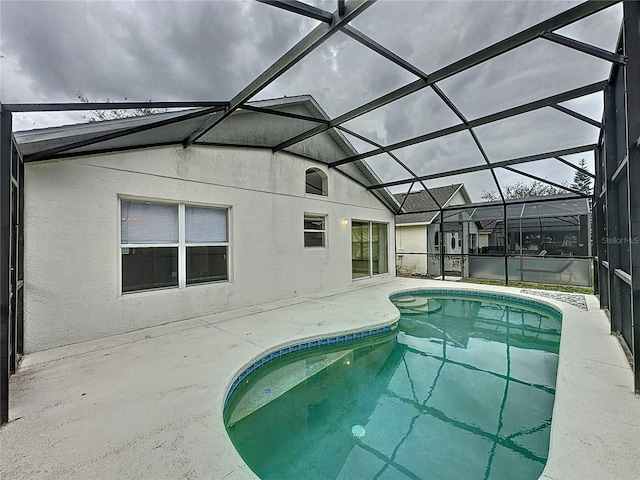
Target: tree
(582,181)
(523,190)
(99,115)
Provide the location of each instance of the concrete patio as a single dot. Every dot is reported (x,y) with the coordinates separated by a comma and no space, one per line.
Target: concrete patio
(148,404)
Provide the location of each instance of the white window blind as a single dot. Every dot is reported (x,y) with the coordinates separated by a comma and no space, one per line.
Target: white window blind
(205,224)
(148,223)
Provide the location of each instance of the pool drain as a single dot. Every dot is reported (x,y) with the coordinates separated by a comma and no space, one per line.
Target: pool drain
(358,431)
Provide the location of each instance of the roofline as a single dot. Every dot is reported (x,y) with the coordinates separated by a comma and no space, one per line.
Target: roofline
(412,224)
(429,222)
(460,186)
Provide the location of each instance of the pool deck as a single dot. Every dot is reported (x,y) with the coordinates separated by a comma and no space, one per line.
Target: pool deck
(148,404)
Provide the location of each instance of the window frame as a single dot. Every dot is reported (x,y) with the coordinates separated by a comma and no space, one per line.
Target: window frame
(182,223)
(325,182)
(182,245)
(370,247)
(324,230)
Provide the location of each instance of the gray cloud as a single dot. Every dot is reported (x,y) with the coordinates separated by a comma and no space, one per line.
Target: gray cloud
(139,50)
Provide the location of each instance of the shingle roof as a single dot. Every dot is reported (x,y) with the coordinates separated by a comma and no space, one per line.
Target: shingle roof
(136,132)
(421,201)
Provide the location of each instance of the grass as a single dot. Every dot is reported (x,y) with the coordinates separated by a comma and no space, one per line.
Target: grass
(537,286)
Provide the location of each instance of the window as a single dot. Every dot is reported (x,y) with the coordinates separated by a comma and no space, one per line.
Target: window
(172,245)
(316,182)
(314,230)
(206,244)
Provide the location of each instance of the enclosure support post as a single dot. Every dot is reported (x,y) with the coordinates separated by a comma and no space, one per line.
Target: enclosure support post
(506,246)
(5,258)
(597,218)
(442,243)
(611,199)
(632,78)
(521,259)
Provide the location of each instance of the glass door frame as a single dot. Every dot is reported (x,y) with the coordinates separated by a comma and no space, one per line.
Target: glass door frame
(370,244)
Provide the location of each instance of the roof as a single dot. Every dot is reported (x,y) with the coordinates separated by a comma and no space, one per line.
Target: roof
(414,151)
(423,201)
(262,124)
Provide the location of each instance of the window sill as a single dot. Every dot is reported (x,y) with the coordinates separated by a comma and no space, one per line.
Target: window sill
(212,282)
(369,277)
(151,291)
(148,291)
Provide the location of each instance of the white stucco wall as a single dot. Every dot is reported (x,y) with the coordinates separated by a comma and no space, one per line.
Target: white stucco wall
(457,199)
(411,244)
(72,244)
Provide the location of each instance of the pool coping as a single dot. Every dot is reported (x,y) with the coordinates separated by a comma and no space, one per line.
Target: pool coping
(301,346)
(563,403)
(593,435)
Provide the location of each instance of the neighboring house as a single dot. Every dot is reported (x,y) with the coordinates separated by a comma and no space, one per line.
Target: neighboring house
(486,229)
(419,241)
(137,231)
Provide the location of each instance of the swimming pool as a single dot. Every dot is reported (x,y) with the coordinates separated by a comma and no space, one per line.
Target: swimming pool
(463,388)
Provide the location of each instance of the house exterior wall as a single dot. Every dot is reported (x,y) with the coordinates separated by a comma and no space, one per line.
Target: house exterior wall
(72,242)
(457,199)
(414,240)
(411,242)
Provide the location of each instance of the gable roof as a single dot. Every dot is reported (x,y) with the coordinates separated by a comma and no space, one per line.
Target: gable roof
(261,124)
(423,202)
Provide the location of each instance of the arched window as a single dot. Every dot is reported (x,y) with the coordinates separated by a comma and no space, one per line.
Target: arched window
(316,182)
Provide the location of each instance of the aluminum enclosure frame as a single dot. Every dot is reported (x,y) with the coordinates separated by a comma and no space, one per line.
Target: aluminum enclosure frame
(616,207)
(614,163)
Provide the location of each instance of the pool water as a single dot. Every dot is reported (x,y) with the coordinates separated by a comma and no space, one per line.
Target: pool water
(463,389)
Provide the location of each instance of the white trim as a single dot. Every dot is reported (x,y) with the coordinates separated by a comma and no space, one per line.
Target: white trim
(430,222)
(414,224)
(465,195)
(324,231)
(148,245)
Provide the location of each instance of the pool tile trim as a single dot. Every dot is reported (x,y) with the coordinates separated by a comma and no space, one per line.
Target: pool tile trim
(348,337)
(547,308)
(299,347)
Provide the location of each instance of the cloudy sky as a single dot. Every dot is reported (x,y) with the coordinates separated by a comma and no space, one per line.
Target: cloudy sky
(210,50)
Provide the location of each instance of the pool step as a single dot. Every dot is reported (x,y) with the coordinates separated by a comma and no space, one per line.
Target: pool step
(280,381)
(404,300)
(417,304)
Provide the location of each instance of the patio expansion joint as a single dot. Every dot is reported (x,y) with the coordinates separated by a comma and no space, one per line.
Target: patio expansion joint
(319,299)
(228,475)
(255,310)
(265,346)
(217,327)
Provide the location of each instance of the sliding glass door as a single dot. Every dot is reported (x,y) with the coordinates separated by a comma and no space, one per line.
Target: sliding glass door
(369,248)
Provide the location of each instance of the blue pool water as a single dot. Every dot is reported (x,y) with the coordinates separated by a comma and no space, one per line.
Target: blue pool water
(462,389)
